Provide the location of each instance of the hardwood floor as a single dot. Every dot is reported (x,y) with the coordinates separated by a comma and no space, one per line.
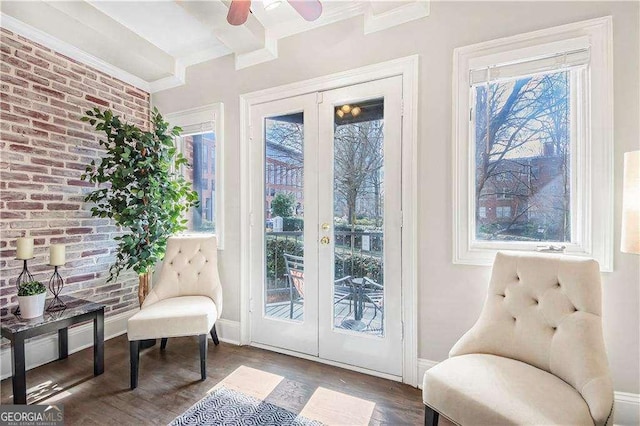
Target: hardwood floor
(169,384)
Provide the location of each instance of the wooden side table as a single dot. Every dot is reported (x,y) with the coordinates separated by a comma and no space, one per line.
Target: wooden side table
(17,330)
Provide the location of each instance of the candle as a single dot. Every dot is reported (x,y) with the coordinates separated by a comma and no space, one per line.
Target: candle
(25,248)
(56,255)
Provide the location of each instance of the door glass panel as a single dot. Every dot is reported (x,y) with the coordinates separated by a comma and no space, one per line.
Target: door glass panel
(358,288)
(284,217)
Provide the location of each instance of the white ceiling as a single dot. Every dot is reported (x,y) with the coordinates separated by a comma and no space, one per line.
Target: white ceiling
(151,43)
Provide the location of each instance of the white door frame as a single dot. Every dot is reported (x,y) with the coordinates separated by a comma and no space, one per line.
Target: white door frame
(408,68)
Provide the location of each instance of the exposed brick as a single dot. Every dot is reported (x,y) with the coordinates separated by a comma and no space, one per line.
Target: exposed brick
(68,90)
(51,58)
(65,105)
(44,148)
(32,77)
(49,75)
(24,205)
(32,59)
(31,113)
(15,43)
(15,62)
(83,71)
(48,92)
(47,179)
(14,80)
(29,94)
(46,197)
(74,182)
(15,118)
(62,206)
(96,100)
(67,73)
(49,127)
(12,196)
(47,162)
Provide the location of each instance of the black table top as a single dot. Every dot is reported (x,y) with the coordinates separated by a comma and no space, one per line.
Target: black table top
(15,324)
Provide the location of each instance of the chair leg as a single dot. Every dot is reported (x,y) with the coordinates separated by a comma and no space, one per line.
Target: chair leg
(431,416)
(163,343)
(214,335)
(203,356)
(134,352)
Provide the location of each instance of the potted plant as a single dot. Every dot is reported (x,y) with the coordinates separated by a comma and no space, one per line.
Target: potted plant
(140,188)
(31,296)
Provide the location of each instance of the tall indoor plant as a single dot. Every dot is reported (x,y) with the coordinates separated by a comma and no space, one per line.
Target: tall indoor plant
(141,189)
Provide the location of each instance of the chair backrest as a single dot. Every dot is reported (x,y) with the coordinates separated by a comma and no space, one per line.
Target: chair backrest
(545,310)
(295,271)
(189,268)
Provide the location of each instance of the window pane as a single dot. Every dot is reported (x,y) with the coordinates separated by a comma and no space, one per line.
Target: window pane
(284,215)
(523,141)
(200,151)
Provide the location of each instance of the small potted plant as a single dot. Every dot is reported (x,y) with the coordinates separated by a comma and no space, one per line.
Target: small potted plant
(31,297)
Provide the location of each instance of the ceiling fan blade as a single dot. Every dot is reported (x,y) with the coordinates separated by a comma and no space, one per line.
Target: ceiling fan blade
(308,9)
(238,12)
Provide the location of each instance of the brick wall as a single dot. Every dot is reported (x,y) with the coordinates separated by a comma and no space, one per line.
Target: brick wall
(44,148)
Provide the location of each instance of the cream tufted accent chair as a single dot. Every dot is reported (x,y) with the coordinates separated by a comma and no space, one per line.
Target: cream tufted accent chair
(186,301)
(535,356)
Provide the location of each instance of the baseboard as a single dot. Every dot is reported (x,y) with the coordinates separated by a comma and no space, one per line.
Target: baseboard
(41,351)
(228,331)
(627,405)
(627,409)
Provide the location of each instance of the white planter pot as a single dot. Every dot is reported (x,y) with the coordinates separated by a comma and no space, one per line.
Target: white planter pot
(32,306)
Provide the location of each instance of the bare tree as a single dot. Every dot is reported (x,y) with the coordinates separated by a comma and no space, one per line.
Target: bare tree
(358,158)
(513,119)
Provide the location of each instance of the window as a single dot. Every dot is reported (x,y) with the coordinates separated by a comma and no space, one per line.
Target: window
(503,212)
(201,143)
(533,133)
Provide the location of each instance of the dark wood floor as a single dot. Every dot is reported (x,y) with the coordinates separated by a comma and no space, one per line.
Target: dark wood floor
(169,384)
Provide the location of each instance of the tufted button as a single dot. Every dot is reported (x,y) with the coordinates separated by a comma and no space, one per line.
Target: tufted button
(170,263)
(518,277)
(501,295)
(537,302)
(558,285)
(554,329)
(514,319)
(575,309)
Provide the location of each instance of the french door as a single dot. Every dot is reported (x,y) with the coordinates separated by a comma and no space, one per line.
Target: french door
(326,225)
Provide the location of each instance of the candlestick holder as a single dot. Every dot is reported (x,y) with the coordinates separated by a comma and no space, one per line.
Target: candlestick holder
(24,277)
(56,283)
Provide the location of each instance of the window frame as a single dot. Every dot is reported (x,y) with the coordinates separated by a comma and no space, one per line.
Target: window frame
(208,118)
(592,160)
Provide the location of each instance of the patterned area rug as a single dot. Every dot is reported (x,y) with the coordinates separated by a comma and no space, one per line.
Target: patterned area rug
(228,407)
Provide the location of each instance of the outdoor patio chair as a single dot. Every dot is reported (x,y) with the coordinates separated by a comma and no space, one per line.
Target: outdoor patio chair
(374,293)
(295,276)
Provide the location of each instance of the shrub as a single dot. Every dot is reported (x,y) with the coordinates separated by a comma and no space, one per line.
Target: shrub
(357,265)
(31,288)
(292,224)
(276,247)
(282,204)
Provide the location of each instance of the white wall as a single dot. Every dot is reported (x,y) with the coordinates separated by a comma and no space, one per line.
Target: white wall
(450,295)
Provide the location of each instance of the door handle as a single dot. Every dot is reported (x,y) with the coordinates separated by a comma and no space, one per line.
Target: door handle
(324,240)
(325,226)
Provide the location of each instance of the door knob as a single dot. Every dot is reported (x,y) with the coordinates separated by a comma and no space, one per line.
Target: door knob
(324,240)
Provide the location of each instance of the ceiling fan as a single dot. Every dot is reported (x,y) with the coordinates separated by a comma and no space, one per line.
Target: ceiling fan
(239,9)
